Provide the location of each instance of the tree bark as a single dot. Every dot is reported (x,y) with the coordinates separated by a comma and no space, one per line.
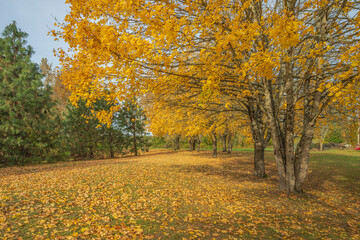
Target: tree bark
(224,138)
(259,138)
(177,142)
(111,150)
(193,144)
(289,129)
(134,138)
(214,144)
(259,163)
(229,150)
(198,142)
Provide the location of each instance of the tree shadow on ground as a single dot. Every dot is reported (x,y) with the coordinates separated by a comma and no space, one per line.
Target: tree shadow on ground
(237,166)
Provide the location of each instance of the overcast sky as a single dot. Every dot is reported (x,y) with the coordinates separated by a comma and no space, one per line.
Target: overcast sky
(35,17)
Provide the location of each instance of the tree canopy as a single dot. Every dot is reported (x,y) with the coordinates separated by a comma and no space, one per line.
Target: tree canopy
(283,60)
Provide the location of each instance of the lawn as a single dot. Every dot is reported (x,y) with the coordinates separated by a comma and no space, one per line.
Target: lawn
(179,195)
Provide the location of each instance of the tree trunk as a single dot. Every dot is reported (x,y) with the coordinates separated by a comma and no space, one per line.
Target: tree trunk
(91,152)
(224,138)
(259,138)
(134,138)
(229,150)
(321,143)
(214,144)
(190,144)
(259,163)
(289,129)
(193,144)
(111,150)
(198,142)
(177,142)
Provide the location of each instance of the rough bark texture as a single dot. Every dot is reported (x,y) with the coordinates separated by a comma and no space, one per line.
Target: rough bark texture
(260,138)
(259,163)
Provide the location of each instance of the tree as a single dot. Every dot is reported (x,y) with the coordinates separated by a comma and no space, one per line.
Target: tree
(59,94)
(286,59)
(29,127)
(134,120)
(81,132)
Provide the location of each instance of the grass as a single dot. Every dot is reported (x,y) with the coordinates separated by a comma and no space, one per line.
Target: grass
(179,195)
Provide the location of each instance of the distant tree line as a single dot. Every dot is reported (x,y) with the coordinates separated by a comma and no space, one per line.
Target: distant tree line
(37,124)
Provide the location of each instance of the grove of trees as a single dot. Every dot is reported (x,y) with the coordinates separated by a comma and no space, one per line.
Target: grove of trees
(273,65)
(37,124)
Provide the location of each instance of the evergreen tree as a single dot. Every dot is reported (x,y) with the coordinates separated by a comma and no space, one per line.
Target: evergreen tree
(113,140)
(133,119)
(26,124)
(81,132)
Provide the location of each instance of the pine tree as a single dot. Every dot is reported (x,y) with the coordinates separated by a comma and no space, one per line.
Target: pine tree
(133,119)
(26,124)
(81,131)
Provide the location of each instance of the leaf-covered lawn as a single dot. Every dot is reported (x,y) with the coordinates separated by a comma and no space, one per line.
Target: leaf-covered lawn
(179,195)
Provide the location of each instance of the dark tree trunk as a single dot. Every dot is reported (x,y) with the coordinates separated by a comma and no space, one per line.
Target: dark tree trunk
(194,144)
(91,152)
(214,143)
(224,138)
(177,142)
(229,150)
(198,142)
(190,144)
(111,149)
(134,138)
(260,138)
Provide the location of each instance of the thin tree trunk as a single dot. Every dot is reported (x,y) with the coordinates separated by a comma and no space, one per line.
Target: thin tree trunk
(134,138)
(111,146)
(229,150)
(224,138)
(289,129)
(198,142)
(190,144)
(214,143)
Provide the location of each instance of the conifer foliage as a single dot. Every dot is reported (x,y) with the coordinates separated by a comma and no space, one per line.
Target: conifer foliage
(28,129)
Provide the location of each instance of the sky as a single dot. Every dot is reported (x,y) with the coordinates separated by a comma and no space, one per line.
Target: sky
(35,17)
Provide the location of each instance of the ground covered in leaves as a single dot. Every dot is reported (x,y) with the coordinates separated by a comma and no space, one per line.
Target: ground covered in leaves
(182,195)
